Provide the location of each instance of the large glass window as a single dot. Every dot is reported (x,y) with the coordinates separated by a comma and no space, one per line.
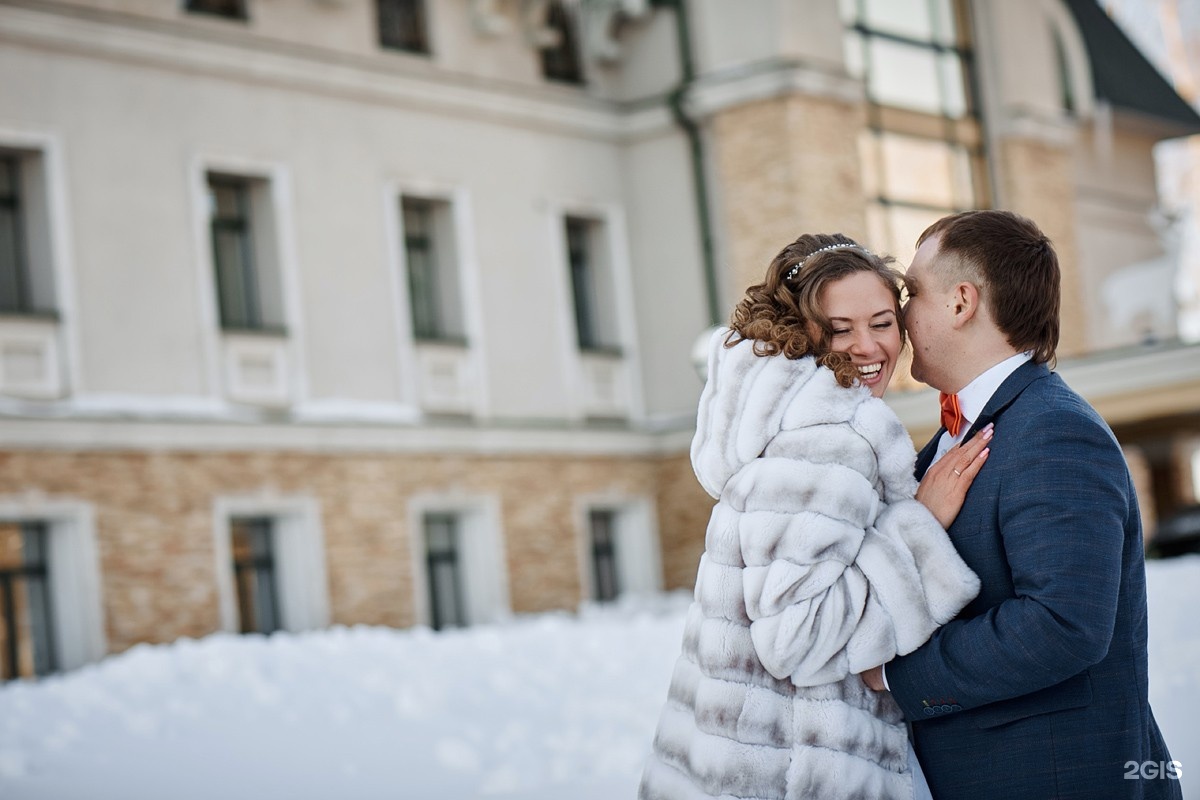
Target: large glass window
(253,548)
(447,607)
(26,632)
(402,25)
(433,276)
(560,60)
(923,153)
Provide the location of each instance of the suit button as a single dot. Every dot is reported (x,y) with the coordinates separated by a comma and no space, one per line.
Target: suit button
(929,712)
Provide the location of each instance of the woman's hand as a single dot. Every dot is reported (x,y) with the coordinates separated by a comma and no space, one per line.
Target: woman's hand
(945,484)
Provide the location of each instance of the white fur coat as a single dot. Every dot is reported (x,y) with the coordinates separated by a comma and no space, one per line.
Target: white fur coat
(818,565)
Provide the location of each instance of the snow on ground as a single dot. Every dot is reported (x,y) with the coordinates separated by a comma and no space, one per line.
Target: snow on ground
(546,707)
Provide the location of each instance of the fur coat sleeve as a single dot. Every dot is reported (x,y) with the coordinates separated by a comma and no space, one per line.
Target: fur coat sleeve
(840,570)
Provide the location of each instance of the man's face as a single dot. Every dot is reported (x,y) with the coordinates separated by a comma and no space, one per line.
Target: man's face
(927,316)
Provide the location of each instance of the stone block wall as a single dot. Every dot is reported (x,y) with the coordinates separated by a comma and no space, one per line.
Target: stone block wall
(155,524)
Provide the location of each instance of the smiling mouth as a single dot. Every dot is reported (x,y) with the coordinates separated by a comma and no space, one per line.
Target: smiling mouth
(869,371)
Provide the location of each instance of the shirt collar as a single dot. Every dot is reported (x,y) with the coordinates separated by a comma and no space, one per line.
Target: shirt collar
(976,394)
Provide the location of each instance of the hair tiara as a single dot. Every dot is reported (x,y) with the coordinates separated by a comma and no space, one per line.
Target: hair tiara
(838,246)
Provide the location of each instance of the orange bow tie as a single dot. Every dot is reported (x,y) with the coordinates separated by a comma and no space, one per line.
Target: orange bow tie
(952,416)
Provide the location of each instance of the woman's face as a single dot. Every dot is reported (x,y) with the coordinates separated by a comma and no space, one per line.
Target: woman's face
(862,313)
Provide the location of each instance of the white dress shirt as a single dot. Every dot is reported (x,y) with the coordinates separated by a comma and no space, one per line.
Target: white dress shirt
(975,395)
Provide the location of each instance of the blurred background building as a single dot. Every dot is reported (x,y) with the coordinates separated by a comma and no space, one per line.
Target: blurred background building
(381,311)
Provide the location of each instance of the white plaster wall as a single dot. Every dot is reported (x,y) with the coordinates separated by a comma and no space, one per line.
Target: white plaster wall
(1129,275)
(137,132)
(670,295)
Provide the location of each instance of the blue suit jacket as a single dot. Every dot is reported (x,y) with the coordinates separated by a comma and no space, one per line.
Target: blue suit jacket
(1038,688)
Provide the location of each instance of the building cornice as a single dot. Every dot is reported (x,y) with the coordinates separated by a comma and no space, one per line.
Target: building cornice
(399,81)
(716,91)
(147,432)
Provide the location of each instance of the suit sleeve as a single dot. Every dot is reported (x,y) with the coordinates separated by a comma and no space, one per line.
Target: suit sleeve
(1061,510)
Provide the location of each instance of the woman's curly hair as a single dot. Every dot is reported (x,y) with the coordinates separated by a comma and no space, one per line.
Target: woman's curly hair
(776,313)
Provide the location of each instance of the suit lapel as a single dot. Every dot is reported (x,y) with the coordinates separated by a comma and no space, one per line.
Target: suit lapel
(925,457)
(1003,397)
(1008,392)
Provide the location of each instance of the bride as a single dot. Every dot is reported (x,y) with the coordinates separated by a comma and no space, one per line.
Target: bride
(823,558)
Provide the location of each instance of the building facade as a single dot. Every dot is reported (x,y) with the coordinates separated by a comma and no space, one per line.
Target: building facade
(382,311)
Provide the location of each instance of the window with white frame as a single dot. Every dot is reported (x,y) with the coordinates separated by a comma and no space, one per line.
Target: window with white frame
(253,548)
(460,574)
(245,261)
(620,546)
(26,275)
(434,278)
(923,152)
(27,641)
(51,613)
(593,293)
(271,565)
(402,25)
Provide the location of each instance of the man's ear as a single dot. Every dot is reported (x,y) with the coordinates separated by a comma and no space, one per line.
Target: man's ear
(966,303)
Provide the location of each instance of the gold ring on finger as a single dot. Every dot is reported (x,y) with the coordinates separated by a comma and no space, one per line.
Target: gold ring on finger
(959,474)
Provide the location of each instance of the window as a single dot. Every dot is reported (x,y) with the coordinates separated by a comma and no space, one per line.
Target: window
(606,582)
(402,25)
(253,547)
(458,562)
(433,275)
(26,634)
(444,573)
(560,61)
(233,9)
(923,155)
(14,279)
(619,547)
(592,292)
(26,282)
(243,253)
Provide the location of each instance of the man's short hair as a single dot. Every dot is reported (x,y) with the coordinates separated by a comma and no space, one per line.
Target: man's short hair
(1015,267)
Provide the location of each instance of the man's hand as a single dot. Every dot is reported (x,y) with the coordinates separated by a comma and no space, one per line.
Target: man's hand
(873,678)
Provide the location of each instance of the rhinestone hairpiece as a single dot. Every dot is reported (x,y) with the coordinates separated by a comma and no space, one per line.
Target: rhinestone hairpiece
(839,246)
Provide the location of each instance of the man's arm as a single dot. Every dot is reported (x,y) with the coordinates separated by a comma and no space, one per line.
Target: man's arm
(1061,514)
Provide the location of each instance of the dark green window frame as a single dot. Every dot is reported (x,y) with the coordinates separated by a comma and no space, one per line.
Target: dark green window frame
(581,261)
(421,261)
(16,296)
(29,581)
(252,541)
(232,231)
(606,576)
(442,532)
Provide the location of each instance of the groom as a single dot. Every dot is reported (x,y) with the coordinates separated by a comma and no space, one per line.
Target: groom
(1038,688)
